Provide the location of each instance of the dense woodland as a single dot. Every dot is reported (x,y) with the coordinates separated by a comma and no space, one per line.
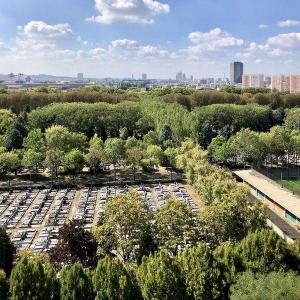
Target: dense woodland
(220,253)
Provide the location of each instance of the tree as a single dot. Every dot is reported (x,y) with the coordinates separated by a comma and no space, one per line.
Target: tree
(176,226)
(124,227)
(94,158)
(274,285)
(7,251)
(32,160)
(220,149)
(170,158)
(165,134)
(96,142)
(249,147)
(54,159)
(112,280)
(9,162)
(230,219)
(29,280)
(159,277)
(59,137)
(202,273)
(75,283)
(155,154)
(35,141)
(74,161)
(7,119)
(114,150)
(151,138)
(134,158)
(14,140)
(75,244)
(263,251)
(3,285)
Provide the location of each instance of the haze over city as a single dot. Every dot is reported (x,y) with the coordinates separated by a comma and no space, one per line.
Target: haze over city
(119,38)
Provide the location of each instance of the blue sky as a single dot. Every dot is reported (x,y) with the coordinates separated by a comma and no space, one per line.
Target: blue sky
(118,38)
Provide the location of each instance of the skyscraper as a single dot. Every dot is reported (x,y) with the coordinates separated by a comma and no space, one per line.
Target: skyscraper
(144,76)
(236,72)
(80,76)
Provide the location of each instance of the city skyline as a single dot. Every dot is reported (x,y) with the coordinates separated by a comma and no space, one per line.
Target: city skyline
(118,38)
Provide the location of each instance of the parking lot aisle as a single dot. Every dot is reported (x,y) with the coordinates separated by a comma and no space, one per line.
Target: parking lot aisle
(40,227)
(28,211)
(198,201)
(97,208)
(74,205)
(7,199)
(154,197)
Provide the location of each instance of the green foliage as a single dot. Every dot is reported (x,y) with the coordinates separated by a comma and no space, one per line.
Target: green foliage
(7,119)
(9,162)
(176,227)
(159,277)
(230,219)
(3,285)
(60,138)
(113,282)
(263,251)
(202,273)
(172,115)
(275,285)
(75,283)
(29,280)
(124,227)
(74,161)
(7,251)
(32,159)
(101,118)
(35,141)
(54,159)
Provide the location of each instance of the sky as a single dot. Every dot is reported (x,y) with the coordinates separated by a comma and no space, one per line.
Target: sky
(118,38)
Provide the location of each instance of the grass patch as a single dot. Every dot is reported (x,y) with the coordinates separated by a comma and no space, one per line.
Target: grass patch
(292,185)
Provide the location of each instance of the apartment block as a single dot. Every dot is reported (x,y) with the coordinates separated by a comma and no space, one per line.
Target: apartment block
(294,84)
(280,83)
(253,81)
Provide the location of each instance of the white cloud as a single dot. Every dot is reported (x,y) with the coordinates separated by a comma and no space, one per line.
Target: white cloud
(288,23)
(34,44)
(213,40)
(263,26)
(96,53)
(125,44)
(258,61)
(152,51)
(42,30)
(286,40)
(277,52)
(128,11)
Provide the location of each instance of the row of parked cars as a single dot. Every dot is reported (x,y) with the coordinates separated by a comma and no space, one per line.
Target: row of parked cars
(34,216)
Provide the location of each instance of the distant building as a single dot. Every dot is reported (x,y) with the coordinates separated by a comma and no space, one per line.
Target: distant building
(253,81)
(180,76)
(280,83)
(191,78)
(80,76)
(236,72)
(294,84)
(268,81)
(144,76)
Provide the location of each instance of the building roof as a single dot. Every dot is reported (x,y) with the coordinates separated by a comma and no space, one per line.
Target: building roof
(271,189)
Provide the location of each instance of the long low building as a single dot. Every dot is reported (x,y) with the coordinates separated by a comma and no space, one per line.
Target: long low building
(280,202)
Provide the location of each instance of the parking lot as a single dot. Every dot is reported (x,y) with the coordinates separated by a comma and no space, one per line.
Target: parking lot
(33,216)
